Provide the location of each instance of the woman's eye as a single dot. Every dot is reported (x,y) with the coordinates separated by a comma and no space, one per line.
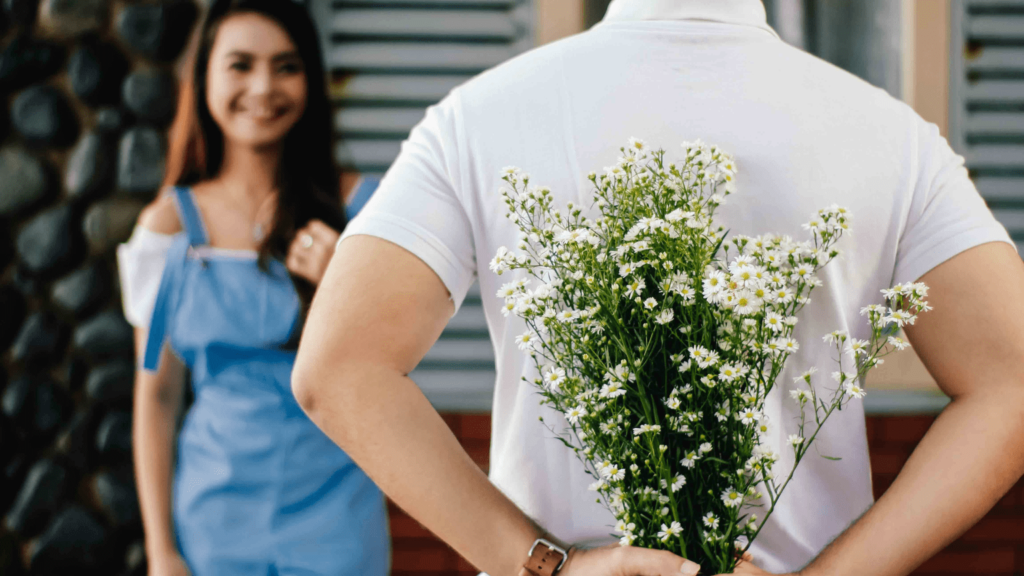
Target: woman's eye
(289,68)
(240,66)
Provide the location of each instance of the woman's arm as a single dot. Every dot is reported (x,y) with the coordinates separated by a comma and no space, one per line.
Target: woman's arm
(157,402)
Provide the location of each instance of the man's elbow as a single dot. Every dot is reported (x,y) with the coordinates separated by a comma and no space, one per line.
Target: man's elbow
(305,384)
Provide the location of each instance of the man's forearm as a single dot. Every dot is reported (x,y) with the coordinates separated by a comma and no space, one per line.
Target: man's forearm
(965,463)
(390,429)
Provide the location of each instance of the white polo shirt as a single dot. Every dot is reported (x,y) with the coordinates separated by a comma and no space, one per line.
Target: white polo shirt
(804,133)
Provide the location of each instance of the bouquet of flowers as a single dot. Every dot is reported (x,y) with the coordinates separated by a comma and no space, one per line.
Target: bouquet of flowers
(658,338)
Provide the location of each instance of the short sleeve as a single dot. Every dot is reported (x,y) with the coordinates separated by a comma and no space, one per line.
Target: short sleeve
(140,263)
(947,215)
(417,205)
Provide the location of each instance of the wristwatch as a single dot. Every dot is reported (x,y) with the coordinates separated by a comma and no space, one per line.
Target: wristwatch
(546,559)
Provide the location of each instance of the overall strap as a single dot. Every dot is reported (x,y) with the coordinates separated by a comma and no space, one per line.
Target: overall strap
(364,189)
(191,220)
(162,308)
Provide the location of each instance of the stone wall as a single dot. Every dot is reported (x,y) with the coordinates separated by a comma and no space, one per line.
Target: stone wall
(89,88)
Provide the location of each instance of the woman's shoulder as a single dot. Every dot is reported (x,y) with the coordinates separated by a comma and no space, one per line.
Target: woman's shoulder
(161,215)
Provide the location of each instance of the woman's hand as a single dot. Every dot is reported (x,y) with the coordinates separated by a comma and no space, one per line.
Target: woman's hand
(615,560)
(311,251)
(169,564)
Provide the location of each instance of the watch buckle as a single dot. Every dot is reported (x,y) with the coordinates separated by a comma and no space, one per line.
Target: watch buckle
(551,546)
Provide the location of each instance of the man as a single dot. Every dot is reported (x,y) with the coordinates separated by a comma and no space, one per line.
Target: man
(805,135)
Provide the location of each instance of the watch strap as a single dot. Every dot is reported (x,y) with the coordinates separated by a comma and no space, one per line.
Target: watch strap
(543,562)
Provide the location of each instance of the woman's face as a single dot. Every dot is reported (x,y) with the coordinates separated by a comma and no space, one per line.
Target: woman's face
(255,81)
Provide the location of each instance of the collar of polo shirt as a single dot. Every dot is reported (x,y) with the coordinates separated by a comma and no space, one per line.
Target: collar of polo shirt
(740,12)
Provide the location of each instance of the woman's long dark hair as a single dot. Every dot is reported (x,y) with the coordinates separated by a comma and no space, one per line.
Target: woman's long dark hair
(307,178)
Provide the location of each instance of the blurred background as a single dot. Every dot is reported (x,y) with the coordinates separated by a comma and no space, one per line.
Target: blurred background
(89,88)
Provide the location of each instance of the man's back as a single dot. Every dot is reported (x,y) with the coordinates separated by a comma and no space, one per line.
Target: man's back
(805,135)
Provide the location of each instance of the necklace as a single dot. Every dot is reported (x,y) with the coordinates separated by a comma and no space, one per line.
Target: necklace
(258,233)
(259,228)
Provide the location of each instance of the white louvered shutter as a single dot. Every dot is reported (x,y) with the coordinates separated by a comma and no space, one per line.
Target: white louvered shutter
(389,60)
(987,103)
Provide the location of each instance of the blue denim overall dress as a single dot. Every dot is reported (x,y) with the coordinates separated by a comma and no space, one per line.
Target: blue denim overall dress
(258,488)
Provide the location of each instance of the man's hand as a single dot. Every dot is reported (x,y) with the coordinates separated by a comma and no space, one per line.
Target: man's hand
(746,567)
(615,560)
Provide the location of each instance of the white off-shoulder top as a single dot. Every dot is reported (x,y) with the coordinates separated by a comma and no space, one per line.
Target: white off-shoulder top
(140,264)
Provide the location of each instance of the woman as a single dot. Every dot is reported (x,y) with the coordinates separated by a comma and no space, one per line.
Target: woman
(222,267)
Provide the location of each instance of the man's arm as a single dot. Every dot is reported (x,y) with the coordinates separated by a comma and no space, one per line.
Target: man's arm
(377,312)
(973,345)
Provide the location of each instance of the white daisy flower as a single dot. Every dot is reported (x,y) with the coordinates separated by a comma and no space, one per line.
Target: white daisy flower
(898,343)
(665,316)
(678,483)
(574,414)
(635,288)
(690,460)
(732,498)
(710,521)
(667,532)
(554,378)
(526,341)
(854,390)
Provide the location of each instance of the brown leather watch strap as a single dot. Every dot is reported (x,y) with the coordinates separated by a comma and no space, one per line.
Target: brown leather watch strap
(543,562)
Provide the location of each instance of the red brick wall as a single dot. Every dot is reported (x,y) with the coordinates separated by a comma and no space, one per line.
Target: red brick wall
(994,546)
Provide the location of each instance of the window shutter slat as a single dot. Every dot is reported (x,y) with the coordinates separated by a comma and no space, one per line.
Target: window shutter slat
(448,24)
(390,60)
(393,90)
(986,102)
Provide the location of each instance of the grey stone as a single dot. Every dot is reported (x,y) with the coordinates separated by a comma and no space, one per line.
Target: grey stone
(22,12)
(17,401)
(114,437)
(6,247)
(27,284)
(50,244)
(110,222)
(40,340)
(141,161)
(25,181)
(116,494)
(135,557)
(74,442)
(12,315)
(150,95)
(43,117)
(105,335)
(111,382)
(13,475)
(10,555)
(82,291)
(75,373)
(74,542)
(40,494)
(73,17)
(26,60)
(95,71)
(36,405)
(90,168)
(109,121)
(157,31)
